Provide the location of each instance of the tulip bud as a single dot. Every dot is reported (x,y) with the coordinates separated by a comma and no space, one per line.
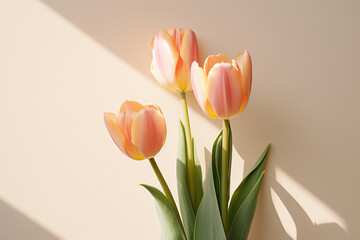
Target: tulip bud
(173,52)
(138,131)
(223,87)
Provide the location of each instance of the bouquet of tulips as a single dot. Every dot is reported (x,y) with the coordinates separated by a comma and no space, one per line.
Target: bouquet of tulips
(222,89)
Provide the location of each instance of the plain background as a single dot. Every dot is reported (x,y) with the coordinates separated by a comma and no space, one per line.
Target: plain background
(63,63)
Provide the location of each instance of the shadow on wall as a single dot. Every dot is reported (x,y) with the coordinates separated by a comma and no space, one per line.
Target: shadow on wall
(295,218)
(304,226)
(294,78)
(285,215)
(16,226)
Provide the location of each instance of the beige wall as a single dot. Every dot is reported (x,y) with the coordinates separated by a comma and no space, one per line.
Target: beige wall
(64,62)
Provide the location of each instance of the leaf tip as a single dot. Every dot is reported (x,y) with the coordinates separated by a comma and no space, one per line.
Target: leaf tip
(268,146)
(181,123)
(144,185)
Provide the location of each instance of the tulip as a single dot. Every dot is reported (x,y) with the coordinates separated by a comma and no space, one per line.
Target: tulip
(173,52)
(222,88)
(138,131)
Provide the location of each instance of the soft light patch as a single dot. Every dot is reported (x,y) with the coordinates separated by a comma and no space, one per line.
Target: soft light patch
(315,208)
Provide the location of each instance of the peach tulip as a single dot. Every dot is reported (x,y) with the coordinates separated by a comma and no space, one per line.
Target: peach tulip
(173,52)
(222,88)
(138,131)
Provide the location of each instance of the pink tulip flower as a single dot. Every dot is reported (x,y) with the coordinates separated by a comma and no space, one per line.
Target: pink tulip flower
(222,88)
(138,131)
(173,52)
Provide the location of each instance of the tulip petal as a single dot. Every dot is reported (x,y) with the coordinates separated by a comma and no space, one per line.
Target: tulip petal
(165,58)
(189,49)
(182,76)
(236,66)
(209,110)
(114,130)
(244,103)
(177,35)
(149,131)
(243,60)
(152,42)
(214,59)
(131,106)
(128,112)
(154,106)
(116,134)
(198,82)
(224,90)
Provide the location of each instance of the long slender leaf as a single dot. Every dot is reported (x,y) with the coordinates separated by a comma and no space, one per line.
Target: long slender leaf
(199,192)
(262,157)
(186,209)
(170,226)
(241,194)
(240,227)
(246,185)
(216,164)
(208,224)
(217,161)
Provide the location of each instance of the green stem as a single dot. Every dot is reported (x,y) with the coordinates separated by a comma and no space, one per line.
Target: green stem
(166,189)
(224,175)
(190,151)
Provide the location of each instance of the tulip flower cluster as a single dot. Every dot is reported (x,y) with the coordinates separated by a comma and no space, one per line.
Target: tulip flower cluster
(222,89)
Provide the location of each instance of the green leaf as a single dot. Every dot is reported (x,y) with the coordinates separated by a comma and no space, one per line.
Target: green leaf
(261,159)
(208,224)
(240,227)
(199,192)
(216,156)
(246,185)
(216,161)
(186,209)
(243,201)
(170,226)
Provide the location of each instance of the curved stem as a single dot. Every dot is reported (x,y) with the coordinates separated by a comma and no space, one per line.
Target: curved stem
(166,188)
(190,151)
(224,175)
